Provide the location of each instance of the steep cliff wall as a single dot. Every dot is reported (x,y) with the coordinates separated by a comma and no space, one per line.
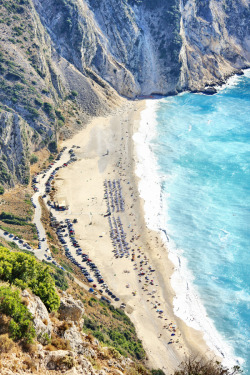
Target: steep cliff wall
(16,139)
(133,46)
(63,61)
(144,47)
(215,38)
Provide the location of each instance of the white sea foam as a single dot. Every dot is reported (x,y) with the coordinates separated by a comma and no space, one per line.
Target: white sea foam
(187,303)
(232,81)
(147,169)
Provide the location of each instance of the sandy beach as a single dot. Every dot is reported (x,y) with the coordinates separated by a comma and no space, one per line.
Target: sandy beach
(106,152)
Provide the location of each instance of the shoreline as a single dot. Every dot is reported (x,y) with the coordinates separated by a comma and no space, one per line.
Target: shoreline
(81,185)
(187,302)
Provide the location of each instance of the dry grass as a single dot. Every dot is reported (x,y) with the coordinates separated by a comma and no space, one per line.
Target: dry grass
(25,301)
(43,162)
(90,338)
(63,327)
(4,324)
(28,364)
(66,362)
(16,201)
(58,343)
(29,348)
(6,343)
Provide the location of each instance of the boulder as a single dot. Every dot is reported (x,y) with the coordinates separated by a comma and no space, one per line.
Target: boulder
(209,91)
(70,310)
(75,339)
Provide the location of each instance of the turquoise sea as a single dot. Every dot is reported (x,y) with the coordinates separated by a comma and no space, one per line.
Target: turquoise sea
(194,169)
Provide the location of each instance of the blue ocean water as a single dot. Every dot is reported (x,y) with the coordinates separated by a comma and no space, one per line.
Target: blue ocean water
(202,149)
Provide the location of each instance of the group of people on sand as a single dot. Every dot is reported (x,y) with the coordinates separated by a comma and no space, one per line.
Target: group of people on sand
(149,286)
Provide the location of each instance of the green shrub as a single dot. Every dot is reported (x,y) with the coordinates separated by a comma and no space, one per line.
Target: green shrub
(52,146)
(12,219)
(48,108)
(60,123)
(74,94)
(59,276)
(123,340)
(33,159)
(21,324)
(4,174)
(201,366)
(59,115)
(157,372)
(24,270)
(38,101)
(1,190)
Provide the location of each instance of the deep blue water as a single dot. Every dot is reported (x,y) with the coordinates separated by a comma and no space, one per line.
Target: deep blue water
(202,147)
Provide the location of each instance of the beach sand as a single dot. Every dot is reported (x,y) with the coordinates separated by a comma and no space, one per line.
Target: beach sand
(106,151)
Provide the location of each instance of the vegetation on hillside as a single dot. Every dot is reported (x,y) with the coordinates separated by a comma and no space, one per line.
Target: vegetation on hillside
(113,327)
(12,219)
(16,215)
(21,323)
(25,271)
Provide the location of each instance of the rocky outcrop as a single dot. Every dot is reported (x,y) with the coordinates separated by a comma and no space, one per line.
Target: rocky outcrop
(41,319)
(62,346)
(61,360)
(70,310)
(215,38)
(17,141)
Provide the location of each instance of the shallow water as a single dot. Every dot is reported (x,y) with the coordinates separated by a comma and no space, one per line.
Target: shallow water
(194,154)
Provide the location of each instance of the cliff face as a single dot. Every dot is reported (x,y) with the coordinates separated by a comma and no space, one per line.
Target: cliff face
(132,46)
(63,61)
(16,141)
(144,47)
(215,38)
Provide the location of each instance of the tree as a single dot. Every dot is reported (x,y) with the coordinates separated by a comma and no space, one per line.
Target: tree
(202,366)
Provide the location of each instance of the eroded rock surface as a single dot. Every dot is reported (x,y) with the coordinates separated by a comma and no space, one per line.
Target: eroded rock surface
(70,310)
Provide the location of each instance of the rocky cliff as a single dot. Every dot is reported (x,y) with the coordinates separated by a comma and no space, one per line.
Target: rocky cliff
(63,61)
(61,346)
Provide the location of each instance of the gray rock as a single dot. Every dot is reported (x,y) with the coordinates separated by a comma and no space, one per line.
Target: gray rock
(70,310)
(209,91)
(74,336)
(42,322)
(59,360)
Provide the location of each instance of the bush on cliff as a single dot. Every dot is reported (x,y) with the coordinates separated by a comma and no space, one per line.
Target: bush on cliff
(21,323)
(25,271)
(201,366)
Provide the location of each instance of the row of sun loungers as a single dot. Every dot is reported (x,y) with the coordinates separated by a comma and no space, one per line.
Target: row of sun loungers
(113,196)
(118,237)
